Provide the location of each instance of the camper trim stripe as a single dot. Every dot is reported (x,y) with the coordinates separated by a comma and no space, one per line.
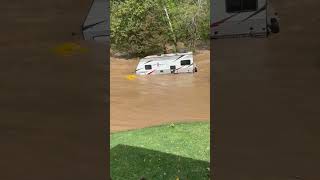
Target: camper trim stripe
(190,65)
(184,67)
(179,57)
(222,21)
(255,13)
(148,61)
(91,25)
(84,21)
(151,72)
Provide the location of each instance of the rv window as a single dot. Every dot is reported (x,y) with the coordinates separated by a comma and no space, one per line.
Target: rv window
(147,67)
(233,5)
(241,5)
(249,5)
(185,62)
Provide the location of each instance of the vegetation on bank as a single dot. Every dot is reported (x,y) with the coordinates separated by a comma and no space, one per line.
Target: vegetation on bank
(143,27)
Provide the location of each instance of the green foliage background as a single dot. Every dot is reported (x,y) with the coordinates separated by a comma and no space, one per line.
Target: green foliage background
(141,27)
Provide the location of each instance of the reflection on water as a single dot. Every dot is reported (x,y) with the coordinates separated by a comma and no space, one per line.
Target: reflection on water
(156,99)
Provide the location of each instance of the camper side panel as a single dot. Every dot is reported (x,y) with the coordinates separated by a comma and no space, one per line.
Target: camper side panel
(229,20)
(98,33)
(96,25)
(176,65)
(153,67)
(181,65)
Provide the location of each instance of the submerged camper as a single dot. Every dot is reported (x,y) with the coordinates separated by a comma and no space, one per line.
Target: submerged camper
(96,24)
(238,18)
(166,64)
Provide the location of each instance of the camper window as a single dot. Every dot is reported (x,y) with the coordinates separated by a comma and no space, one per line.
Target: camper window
(185,62)
(147,67)
(241,5)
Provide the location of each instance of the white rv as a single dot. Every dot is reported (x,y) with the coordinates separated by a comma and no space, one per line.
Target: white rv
(166,64)
(238,18)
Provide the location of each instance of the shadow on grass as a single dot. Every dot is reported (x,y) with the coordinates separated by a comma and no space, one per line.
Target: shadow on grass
(135,163)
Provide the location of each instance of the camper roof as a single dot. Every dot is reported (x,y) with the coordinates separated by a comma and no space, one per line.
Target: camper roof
(164,57)
(168,55)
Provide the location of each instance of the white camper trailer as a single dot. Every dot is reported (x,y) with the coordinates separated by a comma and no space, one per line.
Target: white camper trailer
(96,24)
(166,64)
(239,18)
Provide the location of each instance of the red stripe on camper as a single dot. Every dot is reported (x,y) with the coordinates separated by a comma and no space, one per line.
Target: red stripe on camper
(151,72)
(257,12)
(222,21)
(184,67)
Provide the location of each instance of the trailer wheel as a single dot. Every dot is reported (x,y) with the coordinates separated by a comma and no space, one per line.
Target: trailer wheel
(274,27)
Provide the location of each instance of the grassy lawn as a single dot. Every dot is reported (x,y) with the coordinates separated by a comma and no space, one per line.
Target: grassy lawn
(175,151)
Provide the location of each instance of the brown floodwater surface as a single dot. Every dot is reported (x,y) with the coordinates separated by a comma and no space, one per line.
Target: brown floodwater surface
(157,99)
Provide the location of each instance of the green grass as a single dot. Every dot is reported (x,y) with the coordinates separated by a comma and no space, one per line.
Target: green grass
(162,152)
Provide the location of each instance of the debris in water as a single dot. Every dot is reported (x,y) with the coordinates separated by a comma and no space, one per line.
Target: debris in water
(69,48)
(131,77)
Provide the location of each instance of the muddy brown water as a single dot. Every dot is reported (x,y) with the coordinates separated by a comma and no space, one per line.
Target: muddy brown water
(157,99)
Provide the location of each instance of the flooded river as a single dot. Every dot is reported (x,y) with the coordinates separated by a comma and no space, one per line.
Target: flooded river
(157,99)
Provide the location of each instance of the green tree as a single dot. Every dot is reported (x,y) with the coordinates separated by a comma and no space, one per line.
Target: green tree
(142,27)
(137,27)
